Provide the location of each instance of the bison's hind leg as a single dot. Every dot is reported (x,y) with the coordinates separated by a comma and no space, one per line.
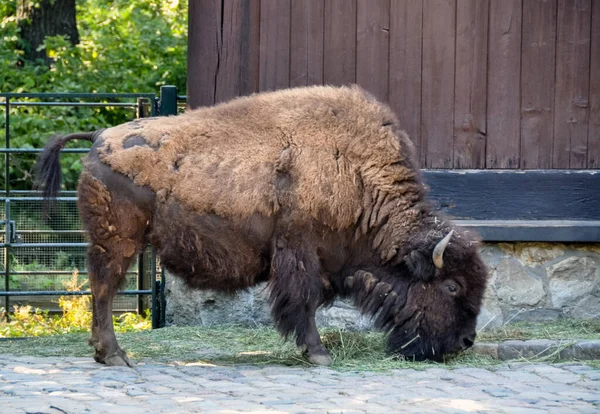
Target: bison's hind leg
(116,228)
(297,291)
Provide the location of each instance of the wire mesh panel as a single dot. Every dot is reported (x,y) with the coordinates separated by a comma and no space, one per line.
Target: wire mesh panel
(43,251)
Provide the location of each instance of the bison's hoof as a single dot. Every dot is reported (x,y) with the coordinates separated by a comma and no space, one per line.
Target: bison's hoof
(117,359)
(319,358)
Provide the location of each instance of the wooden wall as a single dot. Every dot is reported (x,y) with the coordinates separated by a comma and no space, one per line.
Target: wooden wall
(476,83)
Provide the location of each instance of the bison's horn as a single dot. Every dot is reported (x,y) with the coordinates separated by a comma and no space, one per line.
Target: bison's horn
(438,252)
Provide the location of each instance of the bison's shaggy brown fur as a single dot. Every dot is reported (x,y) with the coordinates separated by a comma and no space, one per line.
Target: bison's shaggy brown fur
(303,188)
(330,153)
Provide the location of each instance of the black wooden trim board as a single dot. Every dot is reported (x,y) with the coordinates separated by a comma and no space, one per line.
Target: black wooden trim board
(517,205)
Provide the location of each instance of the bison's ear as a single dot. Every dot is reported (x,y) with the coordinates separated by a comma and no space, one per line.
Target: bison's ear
(420,265)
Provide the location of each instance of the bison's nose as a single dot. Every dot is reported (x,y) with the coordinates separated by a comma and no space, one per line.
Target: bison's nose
(467,341)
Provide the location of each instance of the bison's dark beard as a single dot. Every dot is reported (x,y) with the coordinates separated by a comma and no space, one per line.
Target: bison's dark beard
(408,336)
(411,338)
(413,346)
(408,340)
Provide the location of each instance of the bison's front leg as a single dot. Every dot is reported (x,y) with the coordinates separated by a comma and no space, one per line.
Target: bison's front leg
(316,353)
(296,292)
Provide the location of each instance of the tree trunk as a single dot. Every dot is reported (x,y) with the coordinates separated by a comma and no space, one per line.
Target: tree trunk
(41,18)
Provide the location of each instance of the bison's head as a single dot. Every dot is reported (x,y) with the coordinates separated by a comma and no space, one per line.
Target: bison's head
(431,301)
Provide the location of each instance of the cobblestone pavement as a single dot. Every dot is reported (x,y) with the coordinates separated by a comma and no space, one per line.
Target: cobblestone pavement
(78,385)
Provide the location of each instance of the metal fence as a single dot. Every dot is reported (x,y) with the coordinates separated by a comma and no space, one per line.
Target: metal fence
(39,258)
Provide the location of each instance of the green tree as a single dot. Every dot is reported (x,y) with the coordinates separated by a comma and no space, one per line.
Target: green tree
(125,46)
(38,19)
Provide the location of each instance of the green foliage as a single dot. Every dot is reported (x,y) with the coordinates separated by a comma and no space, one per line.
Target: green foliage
(125,46)
(132,46)
(76,317)
(28,322)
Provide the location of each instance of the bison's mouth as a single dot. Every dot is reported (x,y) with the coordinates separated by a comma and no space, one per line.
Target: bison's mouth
(417,347)
(413,347)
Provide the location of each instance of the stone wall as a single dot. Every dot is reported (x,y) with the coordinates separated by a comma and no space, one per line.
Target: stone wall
(541,281)
(528,281)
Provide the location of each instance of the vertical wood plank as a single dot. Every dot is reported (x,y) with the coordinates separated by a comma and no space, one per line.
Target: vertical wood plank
(437,123)
(274,44)
(537,82)
(571,102)
(406,20)
(470,97)
(372,46)
(504,71)
(306,43)
(237,72)
(594,125)
(339,65)
(204,28)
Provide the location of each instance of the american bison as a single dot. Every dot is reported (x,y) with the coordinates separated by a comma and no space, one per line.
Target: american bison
(314,190)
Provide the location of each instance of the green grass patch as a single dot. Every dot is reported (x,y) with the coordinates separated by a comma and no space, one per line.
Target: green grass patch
(571,329)
(234,345)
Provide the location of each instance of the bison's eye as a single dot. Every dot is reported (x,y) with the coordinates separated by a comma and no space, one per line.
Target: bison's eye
(452,288)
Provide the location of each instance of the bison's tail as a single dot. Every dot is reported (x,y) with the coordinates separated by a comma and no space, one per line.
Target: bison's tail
(48,171)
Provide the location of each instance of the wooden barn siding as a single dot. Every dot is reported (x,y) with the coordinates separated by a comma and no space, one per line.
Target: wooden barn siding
(511,84)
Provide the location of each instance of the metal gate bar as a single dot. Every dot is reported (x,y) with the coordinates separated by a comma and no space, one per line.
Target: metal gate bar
(165,105)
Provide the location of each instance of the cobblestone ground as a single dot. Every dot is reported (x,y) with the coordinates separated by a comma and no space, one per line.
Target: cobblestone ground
(77,385)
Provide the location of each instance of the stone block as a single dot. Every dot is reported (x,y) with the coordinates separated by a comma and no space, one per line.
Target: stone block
(528,349)
(343,315)
(498,392)
(491,314)
(204,307)
(484,348)
(586,350)
(586,308)
(593,248)
(572,279)
(516,286)
(247,308)
(534,315)
(535,254)
(491,254)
